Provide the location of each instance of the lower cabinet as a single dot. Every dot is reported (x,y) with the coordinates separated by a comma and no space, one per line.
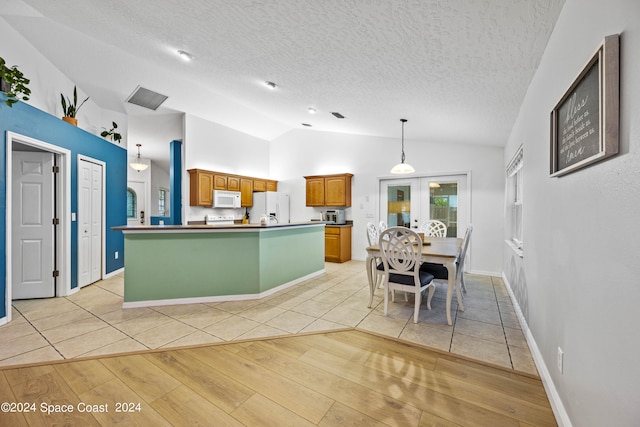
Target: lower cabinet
(337,243)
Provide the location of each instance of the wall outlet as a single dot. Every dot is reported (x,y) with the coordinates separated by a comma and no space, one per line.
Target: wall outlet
(116,254)
(559,359)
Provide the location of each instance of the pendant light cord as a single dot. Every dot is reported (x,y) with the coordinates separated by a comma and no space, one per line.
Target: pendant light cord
(403,122)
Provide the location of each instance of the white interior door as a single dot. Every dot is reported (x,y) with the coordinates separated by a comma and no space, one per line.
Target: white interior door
(89,222)
(32,225)
(136,212)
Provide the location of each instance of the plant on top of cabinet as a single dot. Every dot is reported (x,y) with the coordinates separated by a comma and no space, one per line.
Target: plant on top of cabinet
(111,133)
(70,109)
(14,83)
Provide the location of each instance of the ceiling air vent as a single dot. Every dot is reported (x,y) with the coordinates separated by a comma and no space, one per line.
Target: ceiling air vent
(338,115)
(146,98)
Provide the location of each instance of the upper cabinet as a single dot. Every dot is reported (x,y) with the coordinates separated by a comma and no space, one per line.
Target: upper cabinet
(201,187)
(203,182)
(329,190)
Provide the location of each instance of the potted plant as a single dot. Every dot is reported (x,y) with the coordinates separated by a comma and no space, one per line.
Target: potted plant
(13,83)
(70,109)
(111,133)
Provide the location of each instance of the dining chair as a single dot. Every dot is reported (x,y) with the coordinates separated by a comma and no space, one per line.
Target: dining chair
(434,228)
(440,272)
(373,236)
(401,250)
(382,226)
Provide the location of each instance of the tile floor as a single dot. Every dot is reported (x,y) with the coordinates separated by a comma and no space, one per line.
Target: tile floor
(93,322)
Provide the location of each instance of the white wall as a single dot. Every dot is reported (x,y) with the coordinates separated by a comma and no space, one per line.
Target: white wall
(214,147)
(47,83)
(300,153)
(578,284)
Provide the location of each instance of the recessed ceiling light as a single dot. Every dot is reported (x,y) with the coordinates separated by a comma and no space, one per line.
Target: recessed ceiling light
(312,110)
(271,85)
(185,55)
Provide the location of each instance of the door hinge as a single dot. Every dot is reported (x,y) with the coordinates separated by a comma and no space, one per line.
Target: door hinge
(56,169)
(56,221)
(56,273)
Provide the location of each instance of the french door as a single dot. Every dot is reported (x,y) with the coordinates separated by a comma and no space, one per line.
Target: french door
(410,202)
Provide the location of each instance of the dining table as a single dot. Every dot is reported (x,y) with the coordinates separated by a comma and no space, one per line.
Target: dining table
(437,250)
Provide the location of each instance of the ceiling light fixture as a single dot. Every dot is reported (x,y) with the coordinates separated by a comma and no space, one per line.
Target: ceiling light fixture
(185,55)
(138,164)
(271,85)
(312,110)
(402,167)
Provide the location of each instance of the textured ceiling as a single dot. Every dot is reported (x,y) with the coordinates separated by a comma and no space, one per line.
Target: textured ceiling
(456,69)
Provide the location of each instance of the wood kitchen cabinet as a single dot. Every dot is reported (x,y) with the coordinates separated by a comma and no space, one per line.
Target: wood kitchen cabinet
(246,192)
(337,243)
(200,187)
(203,182)
(329,190)
(219,182)
(233,183)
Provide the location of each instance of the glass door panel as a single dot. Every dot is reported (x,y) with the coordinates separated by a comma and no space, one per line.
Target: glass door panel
(400,203)
(446,199)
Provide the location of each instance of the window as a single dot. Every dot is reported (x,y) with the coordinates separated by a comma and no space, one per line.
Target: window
(131,204)
(162,197)
(515,202)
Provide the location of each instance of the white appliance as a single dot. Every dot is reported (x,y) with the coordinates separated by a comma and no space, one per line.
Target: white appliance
(270,204)
(218,219)
(226,199)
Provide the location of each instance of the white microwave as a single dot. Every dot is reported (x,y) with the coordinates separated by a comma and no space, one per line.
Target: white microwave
(226,199)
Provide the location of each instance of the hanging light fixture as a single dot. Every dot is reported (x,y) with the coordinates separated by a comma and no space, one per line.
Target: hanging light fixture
(138,164)
(402,167)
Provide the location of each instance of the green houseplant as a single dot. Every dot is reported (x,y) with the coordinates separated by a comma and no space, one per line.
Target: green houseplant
(69,108)
(14,83)
(111,133)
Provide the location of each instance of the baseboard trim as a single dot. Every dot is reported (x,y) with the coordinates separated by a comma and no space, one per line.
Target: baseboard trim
(222,298)
(559,411)
(113,273)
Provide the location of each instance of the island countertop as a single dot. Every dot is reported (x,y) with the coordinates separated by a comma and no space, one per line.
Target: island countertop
(214,228)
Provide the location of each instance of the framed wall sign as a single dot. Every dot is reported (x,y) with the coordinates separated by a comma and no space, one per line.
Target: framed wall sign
(585,122)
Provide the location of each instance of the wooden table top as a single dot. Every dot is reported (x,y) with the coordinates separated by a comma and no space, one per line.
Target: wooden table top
(447,247)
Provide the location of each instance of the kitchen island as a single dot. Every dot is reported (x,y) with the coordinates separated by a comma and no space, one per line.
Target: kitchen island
(203,263)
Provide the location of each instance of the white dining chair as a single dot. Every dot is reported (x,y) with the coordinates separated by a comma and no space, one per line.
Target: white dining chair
(440,272)
(382,226)
(434,228)
(401,250)
(373,236)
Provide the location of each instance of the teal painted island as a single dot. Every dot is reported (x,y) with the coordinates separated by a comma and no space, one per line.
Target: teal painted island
(202,263)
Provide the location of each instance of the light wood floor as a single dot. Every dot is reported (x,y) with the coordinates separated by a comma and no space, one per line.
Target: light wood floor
(347,377)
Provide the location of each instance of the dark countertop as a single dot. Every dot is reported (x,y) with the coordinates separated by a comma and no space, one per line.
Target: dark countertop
(239,227)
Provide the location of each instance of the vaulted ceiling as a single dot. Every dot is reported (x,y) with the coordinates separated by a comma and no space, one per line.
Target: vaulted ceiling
(456,69)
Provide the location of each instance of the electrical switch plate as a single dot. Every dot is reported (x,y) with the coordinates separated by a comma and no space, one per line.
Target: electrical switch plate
(73,216)
(560,359)
(116,255)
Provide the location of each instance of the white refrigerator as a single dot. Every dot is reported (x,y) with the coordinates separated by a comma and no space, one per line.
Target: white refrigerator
(270,204)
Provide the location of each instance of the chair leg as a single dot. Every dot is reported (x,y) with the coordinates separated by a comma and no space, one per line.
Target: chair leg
(416,308)
(432,290)
(386,297)
(464,287)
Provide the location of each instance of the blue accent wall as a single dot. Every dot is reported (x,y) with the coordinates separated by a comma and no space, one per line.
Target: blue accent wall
(29,121)
(175,182)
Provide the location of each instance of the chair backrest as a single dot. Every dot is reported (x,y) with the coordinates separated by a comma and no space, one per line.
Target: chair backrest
(382,226)
(401,249)
(434,228)
(463,250)
(372,234)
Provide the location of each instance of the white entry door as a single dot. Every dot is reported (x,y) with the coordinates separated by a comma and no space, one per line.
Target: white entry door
(400,202)
(446,198)
(89,222)
(32,225)
(136,196)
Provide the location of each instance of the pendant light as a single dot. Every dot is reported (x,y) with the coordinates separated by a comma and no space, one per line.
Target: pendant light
(138,164)
(402,167)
